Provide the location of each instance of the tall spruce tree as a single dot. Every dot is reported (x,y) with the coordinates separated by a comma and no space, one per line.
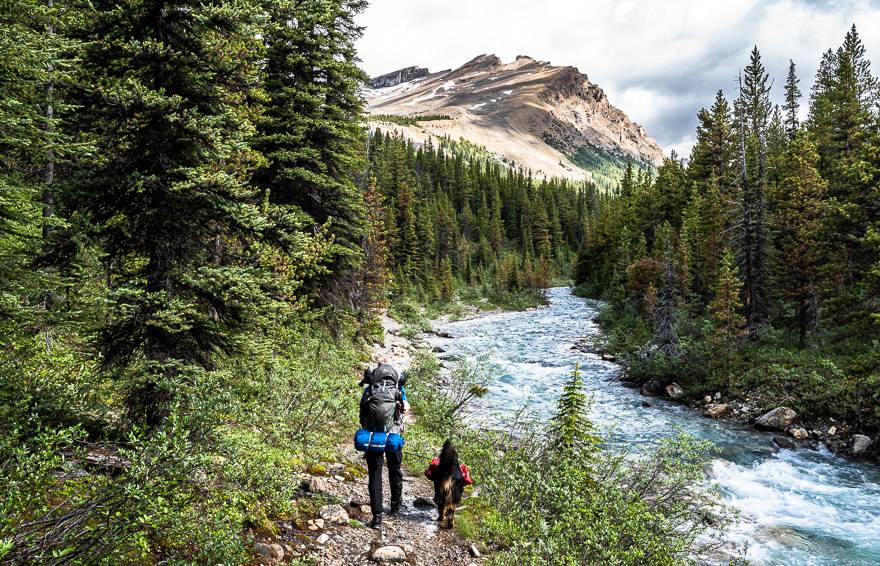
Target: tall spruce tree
(310,131)
(799,209)
(166,92)
(753,108)
(792,100)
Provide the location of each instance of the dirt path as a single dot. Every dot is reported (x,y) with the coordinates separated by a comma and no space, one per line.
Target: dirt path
(411,537)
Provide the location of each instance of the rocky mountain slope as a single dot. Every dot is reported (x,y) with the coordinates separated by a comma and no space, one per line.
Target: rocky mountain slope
(550,119)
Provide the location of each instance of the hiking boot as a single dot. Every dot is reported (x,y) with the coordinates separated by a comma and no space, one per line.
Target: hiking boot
(376,523)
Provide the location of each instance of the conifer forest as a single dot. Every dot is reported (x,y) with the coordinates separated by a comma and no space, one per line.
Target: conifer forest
(203,236)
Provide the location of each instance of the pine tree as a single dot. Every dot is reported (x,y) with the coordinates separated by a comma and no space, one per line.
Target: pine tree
(574,432)
(309,131)
(799,209)
(665,336)
(170,196)
(753,107)
(724,310)
(792,100)
(714,154)
(868,89)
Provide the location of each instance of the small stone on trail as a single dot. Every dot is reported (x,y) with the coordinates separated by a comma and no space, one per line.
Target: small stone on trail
(323,539)
(319,523)
(365,508)
(408,548)
(315,484)
(475,552)
(389,553)
(423,502)
(274,552)
(333,513)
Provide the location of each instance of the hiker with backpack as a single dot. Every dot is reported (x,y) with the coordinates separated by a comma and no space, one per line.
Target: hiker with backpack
(381,417)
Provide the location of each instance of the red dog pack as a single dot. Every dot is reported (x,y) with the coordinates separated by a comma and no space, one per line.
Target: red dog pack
(465,472)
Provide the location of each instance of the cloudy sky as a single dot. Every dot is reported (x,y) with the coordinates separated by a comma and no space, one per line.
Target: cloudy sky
(658,60)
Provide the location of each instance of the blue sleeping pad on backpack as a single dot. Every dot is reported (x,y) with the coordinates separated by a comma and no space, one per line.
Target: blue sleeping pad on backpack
(366,441)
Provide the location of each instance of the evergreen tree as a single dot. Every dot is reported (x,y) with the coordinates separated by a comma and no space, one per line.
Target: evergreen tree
(724,310)
(574,432)
(162,93)
(309,131)
(799,209)
(792,100)
(753,107)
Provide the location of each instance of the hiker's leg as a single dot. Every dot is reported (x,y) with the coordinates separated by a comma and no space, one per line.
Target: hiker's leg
(374,467)
(395,478)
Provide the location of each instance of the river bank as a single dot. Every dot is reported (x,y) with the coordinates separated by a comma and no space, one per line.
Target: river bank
(796,506)
(762,408)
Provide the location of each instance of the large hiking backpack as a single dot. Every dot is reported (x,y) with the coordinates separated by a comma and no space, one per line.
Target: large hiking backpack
(379,403)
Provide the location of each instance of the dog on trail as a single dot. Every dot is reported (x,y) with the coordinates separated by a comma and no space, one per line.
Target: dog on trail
(449,485)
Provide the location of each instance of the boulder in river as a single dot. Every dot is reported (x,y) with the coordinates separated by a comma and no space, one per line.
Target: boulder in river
(652,388)
(779,418)
(784,442)
(674,390)
(860,444)
(799,432)
(717,411)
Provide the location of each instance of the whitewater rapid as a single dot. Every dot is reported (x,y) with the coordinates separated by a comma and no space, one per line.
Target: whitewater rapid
(797,506)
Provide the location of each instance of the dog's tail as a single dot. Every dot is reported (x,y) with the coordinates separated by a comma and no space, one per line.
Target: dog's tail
(448,458)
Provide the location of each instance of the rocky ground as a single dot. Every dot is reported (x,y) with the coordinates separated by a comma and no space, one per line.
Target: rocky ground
(790,429)
(337,535)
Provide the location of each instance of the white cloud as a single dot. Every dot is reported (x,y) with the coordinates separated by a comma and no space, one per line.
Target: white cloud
(659,61)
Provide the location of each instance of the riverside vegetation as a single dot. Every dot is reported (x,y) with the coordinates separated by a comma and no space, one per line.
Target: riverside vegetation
(752,270)
(198,233)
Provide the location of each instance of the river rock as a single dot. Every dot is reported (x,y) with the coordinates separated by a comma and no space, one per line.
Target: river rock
(437,350)
(270,552)
(779,418)
(390,553)
(652,388)
(333,514)
(832,431)
(799,432)
(647,404)
(717,411)
(717,395)
(674,390)
(707,399)
(784,442)
(323,539)
(860,444)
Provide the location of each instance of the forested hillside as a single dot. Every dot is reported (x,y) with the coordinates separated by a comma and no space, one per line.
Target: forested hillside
(197,235)
(752,268)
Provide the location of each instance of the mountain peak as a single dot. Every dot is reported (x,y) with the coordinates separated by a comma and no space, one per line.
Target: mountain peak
(550,119)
